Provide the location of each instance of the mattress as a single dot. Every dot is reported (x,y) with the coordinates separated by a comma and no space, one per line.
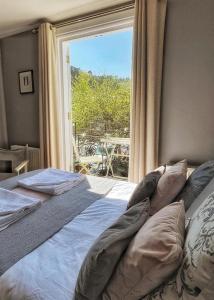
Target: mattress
(50,271)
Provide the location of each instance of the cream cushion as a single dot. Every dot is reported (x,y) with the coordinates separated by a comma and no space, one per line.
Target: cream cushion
(152,256)
(169,185)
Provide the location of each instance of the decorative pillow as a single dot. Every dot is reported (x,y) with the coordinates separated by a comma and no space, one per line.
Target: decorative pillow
(169,185)
(197,271)
(161,169)
(167,291)
(195,278)
(145,188)
(107,250)
(195,184)
(152,256)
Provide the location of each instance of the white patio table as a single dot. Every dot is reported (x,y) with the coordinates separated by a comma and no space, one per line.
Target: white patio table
(112,143)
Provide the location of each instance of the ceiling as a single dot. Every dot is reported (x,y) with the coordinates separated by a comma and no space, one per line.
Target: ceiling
(17,16)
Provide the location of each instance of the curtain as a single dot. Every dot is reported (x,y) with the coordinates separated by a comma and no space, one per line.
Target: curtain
(149,24)
(3,121)
(50,142)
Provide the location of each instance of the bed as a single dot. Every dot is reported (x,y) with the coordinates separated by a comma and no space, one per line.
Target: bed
(50,271)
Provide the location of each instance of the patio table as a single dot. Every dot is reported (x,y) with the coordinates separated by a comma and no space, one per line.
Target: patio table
(112,143)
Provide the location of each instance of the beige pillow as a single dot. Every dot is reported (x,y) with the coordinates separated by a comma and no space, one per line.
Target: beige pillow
(152,256)
(169,185)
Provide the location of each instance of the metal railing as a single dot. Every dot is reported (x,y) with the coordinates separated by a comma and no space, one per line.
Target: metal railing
(95,155)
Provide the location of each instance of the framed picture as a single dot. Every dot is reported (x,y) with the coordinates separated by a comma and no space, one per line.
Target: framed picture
(26,84)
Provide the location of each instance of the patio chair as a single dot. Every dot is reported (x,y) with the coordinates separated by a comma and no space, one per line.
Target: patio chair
(91,158)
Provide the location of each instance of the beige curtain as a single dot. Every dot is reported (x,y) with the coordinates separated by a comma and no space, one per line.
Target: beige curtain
(147,74)
(50,143)
(3,122)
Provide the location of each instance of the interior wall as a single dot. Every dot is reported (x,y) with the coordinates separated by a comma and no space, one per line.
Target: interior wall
(19,53)
(187,118)
(187,122)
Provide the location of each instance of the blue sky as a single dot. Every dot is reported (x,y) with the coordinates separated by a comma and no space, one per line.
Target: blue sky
(109,54)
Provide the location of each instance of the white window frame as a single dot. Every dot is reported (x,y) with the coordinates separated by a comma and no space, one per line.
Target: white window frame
(93,27)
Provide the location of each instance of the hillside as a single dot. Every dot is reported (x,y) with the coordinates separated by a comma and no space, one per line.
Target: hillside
(100,102)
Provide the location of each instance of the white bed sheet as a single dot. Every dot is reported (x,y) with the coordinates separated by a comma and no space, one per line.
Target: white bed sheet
(50,271)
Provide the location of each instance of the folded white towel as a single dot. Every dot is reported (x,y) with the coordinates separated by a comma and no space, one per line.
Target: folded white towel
(14,206)
(7,220)
(11,202)
(52,181)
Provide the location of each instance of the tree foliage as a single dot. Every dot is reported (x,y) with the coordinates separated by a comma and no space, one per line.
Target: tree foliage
(100,99)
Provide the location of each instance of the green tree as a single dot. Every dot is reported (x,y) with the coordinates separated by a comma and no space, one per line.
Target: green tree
(97,99)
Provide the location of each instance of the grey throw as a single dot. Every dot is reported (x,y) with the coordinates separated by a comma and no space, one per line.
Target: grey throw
(28,233)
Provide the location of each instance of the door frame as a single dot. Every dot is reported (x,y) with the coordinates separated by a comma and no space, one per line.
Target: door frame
(100,25)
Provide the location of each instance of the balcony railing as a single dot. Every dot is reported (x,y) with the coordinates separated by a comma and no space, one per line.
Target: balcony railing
(101,155)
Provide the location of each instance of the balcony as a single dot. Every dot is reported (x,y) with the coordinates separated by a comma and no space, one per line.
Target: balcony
(102,154)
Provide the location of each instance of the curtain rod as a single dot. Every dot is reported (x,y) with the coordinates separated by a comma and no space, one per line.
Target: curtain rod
(96,14)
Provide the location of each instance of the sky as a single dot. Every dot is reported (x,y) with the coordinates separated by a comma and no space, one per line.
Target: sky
(108,54)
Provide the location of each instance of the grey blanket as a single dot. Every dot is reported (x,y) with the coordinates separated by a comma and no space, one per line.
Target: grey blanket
(28,233)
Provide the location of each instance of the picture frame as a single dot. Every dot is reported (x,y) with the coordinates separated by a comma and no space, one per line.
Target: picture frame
(26,82)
